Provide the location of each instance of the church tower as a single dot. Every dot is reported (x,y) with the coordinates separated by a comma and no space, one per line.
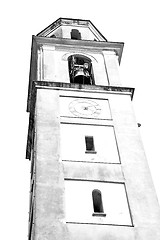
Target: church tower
(89,175)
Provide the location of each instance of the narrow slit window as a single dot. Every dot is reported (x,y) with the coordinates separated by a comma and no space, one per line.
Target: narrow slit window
(97,203)
(89,144)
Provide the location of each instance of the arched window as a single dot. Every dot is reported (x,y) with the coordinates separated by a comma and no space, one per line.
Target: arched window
(97,203)
(80,69)
(75,34)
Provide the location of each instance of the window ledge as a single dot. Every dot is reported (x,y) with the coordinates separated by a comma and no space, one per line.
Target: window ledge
(96,214)
(91,152)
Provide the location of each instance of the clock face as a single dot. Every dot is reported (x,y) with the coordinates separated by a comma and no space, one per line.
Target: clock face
(84,108)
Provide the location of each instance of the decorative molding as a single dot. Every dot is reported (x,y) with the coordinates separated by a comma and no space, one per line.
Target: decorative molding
(49,47)
(66,55)
(81,87)
(71,22)
(116,47)
(109,52)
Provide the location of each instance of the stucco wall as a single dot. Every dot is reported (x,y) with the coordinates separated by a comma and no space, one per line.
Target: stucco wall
(79,203)
(49,191)
(73,146)
(51,170)
(53,64)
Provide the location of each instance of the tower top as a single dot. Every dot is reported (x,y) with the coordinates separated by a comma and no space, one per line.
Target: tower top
(73,29)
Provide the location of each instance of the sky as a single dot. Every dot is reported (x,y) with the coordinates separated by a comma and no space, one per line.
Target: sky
(136,23)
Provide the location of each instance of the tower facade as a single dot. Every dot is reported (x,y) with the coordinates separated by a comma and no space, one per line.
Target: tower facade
(89,175)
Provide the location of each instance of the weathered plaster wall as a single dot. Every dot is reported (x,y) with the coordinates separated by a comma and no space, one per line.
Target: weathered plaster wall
(49,191)
(102,232)
(51,170)
(73,145)
(79,204)
(53,64)
(112,66)
(142,198)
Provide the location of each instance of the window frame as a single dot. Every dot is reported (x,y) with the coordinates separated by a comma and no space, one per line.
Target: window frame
(87,143)
(97,203)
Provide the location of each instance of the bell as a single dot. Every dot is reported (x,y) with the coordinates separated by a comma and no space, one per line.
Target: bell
(82,76)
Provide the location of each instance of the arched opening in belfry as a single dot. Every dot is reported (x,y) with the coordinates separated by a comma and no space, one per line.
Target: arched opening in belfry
(80,69)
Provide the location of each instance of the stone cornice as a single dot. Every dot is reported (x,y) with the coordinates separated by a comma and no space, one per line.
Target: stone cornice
(117,47)
(82,88)
(75,87)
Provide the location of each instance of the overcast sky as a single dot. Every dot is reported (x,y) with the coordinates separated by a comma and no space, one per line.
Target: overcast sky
(136,23)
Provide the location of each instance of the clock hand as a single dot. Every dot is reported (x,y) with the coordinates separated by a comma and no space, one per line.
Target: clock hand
(86,108)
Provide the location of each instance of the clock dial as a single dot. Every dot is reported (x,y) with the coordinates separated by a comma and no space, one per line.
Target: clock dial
(84,108)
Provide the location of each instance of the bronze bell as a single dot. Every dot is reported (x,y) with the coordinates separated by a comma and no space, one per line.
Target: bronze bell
(82,76)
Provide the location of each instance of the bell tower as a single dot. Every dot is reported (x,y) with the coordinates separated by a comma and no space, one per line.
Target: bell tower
(89,175)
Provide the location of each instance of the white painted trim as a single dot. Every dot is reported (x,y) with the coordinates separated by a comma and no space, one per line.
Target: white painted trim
(66,55)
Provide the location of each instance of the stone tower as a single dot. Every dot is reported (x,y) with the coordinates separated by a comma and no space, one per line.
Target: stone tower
(89,176)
